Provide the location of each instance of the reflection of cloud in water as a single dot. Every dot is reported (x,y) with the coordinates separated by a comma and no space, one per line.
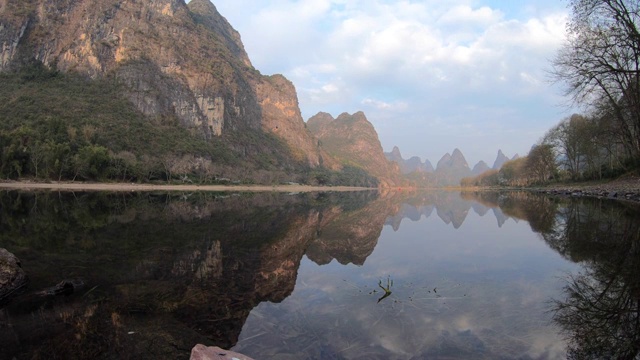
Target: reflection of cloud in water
(492,284)
(495,319)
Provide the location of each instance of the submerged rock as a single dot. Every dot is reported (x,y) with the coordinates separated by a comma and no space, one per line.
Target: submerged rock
(201,352)
(65,287)
(12,277)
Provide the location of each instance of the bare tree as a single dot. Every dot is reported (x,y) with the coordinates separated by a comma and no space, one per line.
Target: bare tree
(583,145)
(601,63)
(541,162)
(37,153)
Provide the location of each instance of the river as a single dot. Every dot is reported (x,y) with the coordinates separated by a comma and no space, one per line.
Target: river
(363,275)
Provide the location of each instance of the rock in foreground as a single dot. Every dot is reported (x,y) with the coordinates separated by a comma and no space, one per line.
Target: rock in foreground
(201,352)
(12,277)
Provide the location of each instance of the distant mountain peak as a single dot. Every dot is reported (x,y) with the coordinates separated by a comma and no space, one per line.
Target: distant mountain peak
(500,160)
(444,161)
(480,167)
(428,167)
(457,159)
(451,169)
(414,164)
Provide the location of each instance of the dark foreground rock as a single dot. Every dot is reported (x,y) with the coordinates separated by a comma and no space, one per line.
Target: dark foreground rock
(12,277)
(201,352)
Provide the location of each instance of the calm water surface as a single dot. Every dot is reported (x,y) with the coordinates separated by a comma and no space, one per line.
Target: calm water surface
(322,276)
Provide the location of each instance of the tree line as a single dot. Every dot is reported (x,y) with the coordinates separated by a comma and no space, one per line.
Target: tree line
(600,66)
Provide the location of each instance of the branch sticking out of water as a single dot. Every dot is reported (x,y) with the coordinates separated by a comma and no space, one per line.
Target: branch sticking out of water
(387,290)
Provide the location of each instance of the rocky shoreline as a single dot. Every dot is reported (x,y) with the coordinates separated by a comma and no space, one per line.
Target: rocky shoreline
(627,189)
(600,194)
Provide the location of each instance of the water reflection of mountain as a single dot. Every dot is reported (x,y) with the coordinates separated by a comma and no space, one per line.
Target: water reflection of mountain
(165,272)
(451,207)
(350,237)
(600,312)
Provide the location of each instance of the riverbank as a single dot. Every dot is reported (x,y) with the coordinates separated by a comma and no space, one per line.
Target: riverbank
(128,187)
(626,188)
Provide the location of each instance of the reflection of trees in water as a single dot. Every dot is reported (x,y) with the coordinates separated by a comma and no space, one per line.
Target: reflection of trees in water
(538,210)
(601,312)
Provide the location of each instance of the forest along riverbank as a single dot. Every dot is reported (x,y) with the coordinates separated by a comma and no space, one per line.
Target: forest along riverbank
(627,189)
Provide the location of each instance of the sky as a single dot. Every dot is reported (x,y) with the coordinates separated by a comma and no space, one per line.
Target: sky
(430,75)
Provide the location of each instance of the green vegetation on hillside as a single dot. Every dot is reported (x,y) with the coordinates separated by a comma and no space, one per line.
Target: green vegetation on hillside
(56,126)
(62,126)
(352,175)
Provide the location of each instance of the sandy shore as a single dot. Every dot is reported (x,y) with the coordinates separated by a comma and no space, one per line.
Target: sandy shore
(64,186)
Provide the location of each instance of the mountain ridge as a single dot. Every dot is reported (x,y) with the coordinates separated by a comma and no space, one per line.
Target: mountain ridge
(410,165)
(450,169)
(176,63)
(184,69)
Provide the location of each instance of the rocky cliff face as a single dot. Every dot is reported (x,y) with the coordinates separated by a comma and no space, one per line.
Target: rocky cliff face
(13,26)
(175,60)
(281,117)
(353,140)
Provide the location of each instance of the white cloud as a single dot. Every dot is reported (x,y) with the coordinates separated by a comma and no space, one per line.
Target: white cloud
(415,60)
(330,88)
(464,15)
(386,106)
